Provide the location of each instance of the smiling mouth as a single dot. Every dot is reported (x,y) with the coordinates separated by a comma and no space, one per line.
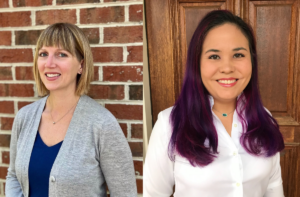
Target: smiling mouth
(227,81)
(52,75)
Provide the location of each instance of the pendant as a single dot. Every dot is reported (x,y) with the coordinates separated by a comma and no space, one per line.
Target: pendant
(224,115)
(53,122)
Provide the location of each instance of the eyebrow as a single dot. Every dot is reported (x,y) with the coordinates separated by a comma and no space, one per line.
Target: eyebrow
(236,49)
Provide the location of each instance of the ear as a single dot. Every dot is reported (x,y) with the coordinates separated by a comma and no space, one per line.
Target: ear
(81,66)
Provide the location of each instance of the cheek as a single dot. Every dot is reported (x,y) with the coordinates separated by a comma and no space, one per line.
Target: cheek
(40,66)
(247,71)
(207,72)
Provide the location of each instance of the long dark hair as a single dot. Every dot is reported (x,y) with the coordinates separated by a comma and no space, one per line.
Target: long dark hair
(191,117)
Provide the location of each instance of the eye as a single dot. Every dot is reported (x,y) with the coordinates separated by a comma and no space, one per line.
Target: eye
(62,55)
(214,57)
(42,54)
(238,55)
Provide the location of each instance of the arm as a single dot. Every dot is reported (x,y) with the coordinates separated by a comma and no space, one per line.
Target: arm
(275,188)
(158,170)
(116,160)
(12,186)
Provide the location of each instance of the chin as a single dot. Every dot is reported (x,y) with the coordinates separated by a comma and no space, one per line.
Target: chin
(227,98)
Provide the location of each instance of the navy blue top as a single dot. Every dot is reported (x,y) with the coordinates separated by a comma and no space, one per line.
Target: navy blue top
(41,162)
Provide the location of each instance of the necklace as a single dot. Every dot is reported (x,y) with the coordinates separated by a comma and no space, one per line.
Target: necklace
(224,114)
(54,122)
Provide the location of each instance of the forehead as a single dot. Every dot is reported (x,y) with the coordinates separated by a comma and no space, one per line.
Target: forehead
(226,36)
(51,48)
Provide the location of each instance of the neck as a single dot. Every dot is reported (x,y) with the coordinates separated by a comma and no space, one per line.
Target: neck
(224,107)
(61,102)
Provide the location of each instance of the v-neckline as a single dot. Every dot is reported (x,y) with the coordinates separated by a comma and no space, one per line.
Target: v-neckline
(43,143)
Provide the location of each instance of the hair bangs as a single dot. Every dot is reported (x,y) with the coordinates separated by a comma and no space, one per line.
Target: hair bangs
(58,36)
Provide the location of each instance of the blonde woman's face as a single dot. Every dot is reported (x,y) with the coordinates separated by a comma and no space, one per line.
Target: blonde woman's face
(58,69)
(225,62)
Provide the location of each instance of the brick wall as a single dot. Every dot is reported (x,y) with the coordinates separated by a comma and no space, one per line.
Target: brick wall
(114,29)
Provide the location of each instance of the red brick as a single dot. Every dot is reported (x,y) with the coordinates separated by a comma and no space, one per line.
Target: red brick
(123,73)
(124,128)
(107,54)
(96,73)
(15,19)
(139,184)
(27,37)
(24,73)
(3,172)
(5,73)
(4,4)
(135,54)
(22,104)
(136,13)
(113,92)
(5,157)
(65,2)
(127,112)
(6,123)
(102,15)
(137,131)
(136,92)
(7,107)
(23,3)
(20,90)
(138,168)
(46,17)
(92,34)
(4,140)
(123,34)
(5,38)
(16,55)
(136,148)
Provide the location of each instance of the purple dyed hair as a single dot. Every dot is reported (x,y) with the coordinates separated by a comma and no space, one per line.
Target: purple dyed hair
(191,117)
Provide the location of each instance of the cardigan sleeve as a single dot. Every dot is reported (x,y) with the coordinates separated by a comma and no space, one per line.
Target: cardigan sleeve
(158,170)
(12,186)
(116,160)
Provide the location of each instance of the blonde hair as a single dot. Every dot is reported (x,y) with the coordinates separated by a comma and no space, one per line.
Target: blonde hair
(70,38)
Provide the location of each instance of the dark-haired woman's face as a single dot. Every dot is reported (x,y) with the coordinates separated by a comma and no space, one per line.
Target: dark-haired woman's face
(225,62)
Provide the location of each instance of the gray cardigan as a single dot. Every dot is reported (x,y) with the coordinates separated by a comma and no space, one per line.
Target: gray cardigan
(94,151)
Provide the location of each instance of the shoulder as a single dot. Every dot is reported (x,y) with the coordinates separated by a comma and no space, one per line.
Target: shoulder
(95,113)
(268,111)
(28,111)
(165,114)
(162,129)
(90,106)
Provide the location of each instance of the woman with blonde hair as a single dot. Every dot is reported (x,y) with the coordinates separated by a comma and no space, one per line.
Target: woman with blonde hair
(66,144)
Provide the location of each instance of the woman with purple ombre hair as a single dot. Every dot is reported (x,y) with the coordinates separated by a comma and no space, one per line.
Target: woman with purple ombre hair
(217,140)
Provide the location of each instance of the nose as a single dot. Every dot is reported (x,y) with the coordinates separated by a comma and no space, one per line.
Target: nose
(50,62)
(227,67)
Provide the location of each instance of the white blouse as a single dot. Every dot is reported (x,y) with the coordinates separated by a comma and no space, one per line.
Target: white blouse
(234,173)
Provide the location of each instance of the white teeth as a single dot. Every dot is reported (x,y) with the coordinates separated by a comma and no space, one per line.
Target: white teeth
(227,81)
(52,75)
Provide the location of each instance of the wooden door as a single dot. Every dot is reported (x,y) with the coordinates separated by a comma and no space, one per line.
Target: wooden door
(170,25)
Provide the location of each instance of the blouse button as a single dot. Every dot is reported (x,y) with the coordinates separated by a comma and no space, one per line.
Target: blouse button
(235,125)
(52,178)
(234,153)
(237,184)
